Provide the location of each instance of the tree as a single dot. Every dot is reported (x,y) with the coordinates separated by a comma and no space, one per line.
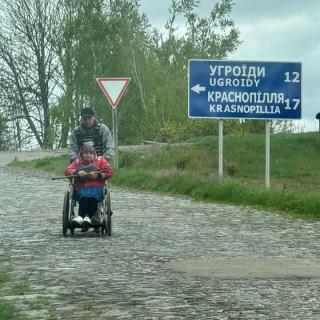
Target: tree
(95,39)
(52,51)
(211,37)
(28,62)
(4,134)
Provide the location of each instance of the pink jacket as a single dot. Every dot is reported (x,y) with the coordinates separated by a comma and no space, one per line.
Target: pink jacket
(101,165)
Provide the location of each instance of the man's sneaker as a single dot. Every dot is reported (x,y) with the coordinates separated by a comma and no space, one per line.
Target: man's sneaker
(86,221)
(77,220)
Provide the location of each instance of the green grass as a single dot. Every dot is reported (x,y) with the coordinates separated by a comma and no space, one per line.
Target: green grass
(54,165)
(4,277)
(7,310)
(192,170)
(302,205)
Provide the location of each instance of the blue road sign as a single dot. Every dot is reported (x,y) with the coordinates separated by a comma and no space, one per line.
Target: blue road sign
(244,89)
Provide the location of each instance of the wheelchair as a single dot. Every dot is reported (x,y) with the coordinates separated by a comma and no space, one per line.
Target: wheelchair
(69,207)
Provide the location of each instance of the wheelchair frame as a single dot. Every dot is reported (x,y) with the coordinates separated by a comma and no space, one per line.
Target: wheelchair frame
(69,204)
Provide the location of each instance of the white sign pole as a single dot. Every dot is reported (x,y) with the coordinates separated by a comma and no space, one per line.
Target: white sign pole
(268,126)
(220,148)
(115,137)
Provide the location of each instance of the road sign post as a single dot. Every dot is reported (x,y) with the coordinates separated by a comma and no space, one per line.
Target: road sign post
(114,88)
(244,90)
(220,149)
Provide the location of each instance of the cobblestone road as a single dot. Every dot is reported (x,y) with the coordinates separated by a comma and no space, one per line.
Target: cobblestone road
(131,275)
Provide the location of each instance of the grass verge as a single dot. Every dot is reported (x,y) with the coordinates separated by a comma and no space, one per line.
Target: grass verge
(7,310)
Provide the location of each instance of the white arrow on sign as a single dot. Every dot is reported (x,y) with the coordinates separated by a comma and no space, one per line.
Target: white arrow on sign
(197,88)
(113,88)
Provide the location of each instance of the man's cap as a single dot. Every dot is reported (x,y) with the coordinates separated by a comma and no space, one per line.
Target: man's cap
(87,113)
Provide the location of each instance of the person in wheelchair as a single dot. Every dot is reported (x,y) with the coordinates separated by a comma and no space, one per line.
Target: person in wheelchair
(91,171)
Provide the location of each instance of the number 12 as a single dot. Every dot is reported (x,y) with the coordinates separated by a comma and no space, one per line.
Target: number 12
(293,77)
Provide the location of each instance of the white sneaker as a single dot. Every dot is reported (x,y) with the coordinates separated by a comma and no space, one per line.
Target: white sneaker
(77,220)
(86,221)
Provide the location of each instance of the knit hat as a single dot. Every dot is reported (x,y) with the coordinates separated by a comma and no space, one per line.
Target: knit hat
(85,148)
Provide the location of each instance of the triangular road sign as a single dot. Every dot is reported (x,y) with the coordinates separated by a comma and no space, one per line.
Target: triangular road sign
(113,88)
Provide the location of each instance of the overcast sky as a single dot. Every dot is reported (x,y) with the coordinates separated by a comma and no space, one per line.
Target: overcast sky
(270,30)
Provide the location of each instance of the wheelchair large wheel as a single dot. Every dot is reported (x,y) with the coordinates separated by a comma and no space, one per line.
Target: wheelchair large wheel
(107,214)
(66,213)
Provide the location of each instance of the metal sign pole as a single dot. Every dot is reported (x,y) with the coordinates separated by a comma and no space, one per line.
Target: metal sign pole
(268,126)
(220,148)
(115,137)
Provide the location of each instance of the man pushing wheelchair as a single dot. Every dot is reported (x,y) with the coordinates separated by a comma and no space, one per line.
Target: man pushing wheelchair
(90,149)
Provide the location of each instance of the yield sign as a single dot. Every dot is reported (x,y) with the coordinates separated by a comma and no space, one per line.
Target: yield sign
(113,88)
